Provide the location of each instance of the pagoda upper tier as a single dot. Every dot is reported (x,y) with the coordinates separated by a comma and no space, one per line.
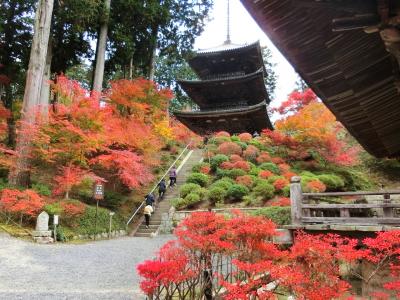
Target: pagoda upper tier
(227,61)
(230,93)
(225,92)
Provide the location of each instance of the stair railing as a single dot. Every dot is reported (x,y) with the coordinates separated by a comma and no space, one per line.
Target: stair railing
(156,185)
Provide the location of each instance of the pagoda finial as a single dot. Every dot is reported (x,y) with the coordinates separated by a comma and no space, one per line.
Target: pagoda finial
(228,25)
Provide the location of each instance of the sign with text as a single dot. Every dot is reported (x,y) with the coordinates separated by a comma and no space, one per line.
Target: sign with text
(99,191)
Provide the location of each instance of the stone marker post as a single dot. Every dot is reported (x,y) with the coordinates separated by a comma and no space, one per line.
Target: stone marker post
(296,199)
(42,234)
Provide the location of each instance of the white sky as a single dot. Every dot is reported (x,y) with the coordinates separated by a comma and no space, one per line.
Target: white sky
(244,30)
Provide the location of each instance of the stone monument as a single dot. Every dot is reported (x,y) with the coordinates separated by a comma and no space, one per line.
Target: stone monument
(42,234)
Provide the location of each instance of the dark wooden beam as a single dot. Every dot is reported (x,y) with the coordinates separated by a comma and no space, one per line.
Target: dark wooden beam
(355,22)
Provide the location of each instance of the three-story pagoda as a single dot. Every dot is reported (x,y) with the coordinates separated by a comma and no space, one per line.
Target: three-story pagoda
(230,93)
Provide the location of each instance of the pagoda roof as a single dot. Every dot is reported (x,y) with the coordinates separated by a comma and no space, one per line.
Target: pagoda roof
(349,69)
(234,120)
(227,59)
(237,90)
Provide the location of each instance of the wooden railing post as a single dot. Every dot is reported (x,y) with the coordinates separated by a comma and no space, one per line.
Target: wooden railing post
(387,212)
(296,200)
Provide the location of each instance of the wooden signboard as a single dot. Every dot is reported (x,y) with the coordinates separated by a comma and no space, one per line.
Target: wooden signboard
(99,191)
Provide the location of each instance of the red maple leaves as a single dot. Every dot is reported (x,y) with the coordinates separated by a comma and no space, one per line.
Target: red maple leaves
(246,263)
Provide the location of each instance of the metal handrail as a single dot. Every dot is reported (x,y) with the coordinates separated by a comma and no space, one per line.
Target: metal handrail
(156,185)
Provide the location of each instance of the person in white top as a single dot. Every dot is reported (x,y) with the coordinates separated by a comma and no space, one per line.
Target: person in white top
(148,210)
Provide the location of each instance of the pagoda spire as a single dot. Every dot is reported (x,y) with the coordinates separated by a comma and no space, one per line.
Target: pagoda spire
(228,25)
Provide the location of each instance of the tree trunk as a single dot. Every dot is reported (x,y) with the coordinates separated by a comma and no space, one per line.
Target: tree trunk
(131,68)
(34,80)
(45,90)
(152,66)
(153,54)
(101,51)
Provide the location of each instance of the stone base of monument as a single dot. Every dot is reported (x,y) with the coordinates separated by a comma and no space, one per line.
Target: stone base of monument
(42,237)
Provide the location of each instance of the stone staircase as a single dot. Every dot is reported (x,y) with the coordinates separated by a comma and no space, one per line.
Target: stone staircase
(171,193)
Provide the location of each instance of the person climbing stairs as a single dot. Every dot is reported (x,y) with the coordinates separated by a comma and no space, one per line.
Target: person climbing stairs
(164,206)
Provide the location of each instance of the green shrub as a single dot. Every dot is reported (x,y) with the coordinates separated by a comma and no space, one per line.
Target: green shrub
(188,188)
(272,179)
(278,215)
(113,199)
(41,189)
(85,189)
(198,178)
(242,145)
(269,166)
(217,160)
(192,199)
(254,171)
(224,183)
(88,220)
(286,191)
(217,140)
(53,208)
(354,180)
(252,200)
(178,203)
(264,189)
(217,194)
(197,167)
(238,191)
(230,173)
(307,174)
(257,144)
(332,182)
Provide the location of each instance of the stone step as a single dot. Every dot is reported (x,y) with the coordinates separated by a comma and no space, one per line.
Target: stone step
(147,230)
(143,226)
(154,221)
(143,234)
(172,192)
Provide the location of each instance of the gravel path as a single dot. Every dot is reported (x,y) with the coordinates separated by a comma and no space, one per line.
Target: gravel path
(95,270)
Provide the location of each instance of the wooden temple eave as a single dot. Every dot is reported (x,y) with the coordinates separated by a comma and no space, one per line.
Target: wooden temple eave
(348,52)
(237,120)
(248,89)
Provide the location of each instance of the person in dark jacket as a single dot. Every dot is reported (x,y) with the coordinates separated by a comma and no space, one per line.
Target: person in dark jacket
(149,199)
(162,187)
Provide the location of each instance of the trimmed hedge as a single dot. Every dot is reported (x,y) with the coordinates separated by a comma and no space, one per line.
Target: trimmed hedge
(188,188)
(237,191)
(217,194)
(198,178)
(264,189)
(216,160)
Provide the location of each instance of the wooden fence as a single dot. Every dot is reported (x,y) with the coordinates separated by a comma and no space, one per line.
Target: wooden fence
(303,212)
